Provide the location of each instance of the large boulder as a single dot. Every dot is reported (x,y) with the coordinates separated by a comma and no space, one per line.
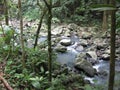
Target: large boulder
(66,42)
(85,66)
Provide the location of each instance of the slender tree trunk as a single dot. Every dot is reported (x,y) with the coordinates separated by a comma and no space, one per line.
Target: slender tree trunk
(49,40)
(39,27)
(6,12)
(112,50)
(21,33)
(49,6)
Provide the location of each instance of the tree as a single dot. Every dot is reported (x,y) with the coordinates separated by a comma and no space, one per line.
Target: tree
(6,12)
(112,50)
(44,10)
(21,33)
(49,18)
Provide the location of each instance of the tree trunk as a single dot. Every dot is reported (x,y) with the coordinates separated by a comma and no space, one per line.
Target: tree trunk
(112,50)
(21,33)
(39,27)
(49,6)
(6,12)
(49,40)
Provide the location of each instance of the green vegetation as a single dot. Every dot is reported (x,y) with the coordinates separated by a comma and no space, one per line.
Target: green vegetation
(41,70)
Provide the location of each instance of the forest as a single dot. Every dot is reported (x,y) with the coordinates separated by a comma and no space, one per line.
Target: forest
(59,44)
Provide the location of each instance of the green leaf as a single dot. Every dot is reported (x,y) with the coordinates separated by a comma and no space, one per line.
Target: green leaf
(103,7)
(36,84)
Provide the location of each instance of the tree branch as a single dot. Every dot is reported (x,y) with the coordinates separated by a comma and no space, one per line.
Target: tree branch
(5,83)
(46,3)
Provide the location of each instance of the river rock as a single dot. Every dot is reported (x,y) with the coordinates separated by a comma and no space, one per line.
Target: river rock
(100,44)
(67,33)
(79,48)
(80,56)
(85,66)
(73,27)
(61,48)
(83,42)
(65,42)
(107,51)
(102,73)
(118,51)
(86,35)
(57,30)
(92,54)
(105,56)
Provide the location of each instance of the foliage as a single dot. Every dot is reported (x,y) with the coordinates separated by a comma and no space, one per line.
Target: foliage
(97,87)
(7,34)
(36,71)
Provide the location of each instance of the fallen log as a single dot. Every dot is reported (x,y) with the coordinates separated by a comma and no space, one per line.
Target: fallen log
(7,86)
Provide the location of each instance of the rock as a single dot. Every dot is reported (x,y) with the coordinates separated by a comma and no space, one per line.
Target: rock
(61,48)
(105,57)
(79,48)
(73,27)
(118,50)
(107,51)
(92,54)
(100,44)
(57,30)
(55,40)
(80,56)
(85,66)
(83,42)
(92,61)
(65,42)
(86,35)
(102,73)
(67,33)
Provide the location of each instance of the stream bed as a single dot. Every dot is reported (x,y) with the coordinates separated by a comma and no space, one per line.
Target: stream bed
(69,58)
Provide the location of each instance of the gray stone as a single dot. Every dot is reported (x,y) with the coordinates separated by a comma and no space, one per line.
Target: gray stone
(60,48)
(65,42)
(92,54)
(83,42)
(80,56)
(79,48)
(86,67)
(86,35)
(67,33)
(57,30)
(106,57)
